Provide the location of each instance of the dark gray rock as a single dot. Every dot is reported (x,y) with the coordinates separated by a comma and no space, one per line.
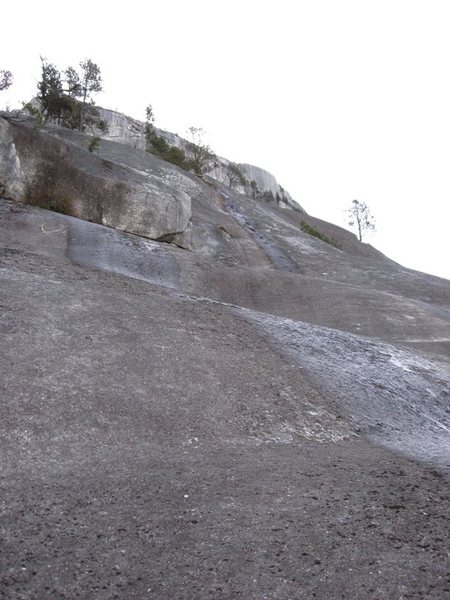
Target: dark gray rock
(264,415)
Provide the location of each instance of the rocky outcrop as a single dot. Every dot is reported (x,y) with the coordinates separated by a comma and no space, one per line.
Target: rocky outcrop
(259,183)
(123,129)
(12,177)
(254,182)
(41,169)
(236,421)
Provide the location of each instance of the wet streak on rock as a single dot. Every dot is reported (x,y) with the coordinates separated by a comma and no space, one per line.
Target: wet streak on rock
(279,258)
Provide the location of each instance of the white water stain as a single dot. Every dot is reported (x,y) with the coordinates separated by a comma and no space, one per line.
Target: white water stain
(393,396)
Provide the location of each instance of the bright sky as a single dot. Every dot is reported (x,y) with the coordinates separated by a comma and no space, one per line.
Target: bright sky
(339,99)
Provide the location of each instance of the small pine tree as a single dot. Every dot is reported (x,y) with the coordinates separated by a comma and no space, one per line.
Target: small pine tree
(36,113)
(202,157)
(53,102)
(149,127)
(235,176)
(67,98)
(81,87)
(94,144)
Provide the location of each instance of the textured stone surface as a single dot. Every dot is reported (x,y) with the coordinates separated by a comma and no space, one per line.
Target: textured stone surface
(40,169)
(129,131)
(123,129)
(264,415)
(159,444)
(12,178)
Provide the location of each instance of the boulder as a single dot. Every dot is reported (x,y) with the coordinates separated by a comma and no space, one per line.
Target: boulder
(40,169)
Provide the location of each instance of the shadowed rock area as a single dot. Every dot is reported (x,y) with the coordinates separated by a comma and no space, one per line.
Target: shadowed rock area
(247,412)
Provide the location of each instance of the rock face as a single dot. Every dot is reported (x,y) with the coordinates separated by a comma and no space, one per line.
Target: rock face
(40,169)
(243,419)
(260,183)
(123,129)
(12,177)
(256,183)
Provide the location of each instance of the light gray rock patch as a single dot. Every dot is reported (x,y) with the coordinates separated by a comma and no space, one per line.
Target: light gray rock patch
(12,180)
(127,130)
(395,397)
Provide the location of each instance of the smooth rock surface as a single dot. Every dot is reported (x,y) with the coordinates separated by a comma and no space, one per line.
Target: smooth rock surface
(156,443)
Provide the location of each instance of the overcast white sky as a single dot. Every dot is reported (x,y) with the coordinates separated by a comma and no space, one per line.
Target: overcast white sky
(339,99)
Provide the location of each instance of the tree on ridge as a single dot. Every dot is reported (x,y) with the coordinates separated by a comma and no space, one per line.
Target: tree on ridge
(359,215)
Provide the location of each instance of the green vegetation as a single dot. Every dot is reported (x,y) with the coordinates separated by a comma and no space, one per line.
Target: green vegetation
(149,127)
(310,230)
(157,145)
(67,97)
(202,157)
(266,196)
(94,144)
(235,176)
(176,156)
(82,86)
(37,114)
(199,157)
